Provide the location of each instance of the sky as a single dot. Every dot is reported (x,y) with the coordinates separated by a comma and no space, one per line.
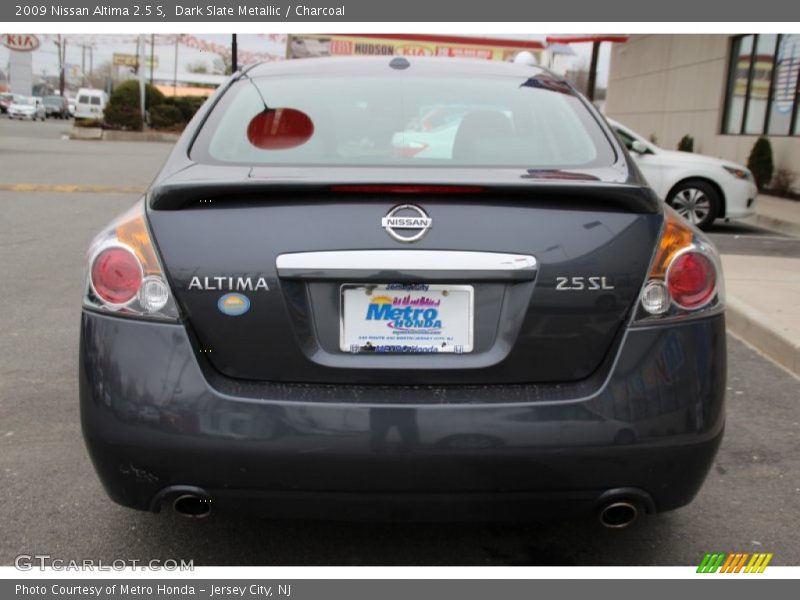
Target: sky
(45,59)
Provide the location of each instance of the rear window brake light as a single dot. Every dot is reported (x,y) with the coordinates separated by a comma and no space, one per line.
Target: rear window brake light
(408,189)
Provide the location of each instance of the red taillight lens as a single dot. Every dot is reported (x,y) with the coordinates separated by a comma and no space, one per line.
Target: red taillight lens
(691,280)
(116,275)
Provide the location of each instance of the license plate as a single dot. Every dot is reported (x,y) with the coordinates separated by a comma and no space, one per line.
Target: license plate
(400,318)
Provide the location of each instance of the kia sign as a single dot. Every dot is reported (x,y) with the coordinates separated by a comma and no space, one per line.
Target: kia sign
(21,42)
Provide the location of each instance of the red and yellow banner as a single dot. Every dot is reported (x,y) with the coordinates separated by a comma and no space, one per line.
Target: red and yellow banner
(304,46)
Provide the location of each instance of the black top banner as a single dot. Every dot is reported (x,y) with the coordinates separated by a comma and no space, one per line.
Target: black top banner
(743,11)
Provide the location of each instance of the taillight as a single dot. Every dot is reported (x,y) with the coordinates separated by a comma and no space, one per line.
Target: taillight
(116,275)
(685,276)
(691,280)
(124,275)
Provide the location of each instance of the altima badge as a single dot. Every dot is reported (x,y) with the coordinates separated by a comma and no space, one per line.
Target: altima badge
(226,282)
(407,218)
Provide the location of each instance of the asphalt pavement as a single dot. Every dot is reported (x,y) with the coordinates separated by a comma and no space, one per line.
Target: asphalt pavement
(52,503)
(747,240)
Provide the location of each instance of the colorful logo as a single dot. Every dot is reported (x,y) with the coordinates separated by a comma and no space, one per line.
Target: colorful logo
(406,314)
(234,304)
(734,563)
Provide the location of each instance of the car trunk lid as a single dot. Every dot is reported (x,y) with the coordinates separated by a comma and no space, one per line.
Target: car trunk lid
(546,276)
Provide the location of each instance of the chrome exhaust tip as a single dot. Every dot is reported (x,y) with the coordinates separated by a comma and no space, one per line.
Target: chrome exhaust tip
(192,506)
(617,515)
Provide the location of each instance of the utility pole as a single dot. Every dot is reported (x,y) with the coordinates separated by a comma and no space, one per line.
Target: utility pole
(84,48)
(175,72)
(152,55)
(140,51)
(61,44)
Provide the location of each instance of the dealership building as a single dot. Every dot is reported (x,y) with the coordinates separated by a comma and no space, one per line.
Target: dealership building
(724,91)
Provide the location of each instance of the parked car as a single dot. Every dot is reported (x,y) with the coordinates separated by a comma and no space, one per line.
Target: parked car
(297,319)
(71,106)
(27,107)
(90,103)
(701,188)
(56,106)
(7,99)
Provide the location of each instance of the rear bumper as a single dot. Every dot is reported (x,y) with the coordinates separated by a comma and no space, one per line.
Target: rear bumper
(153,423)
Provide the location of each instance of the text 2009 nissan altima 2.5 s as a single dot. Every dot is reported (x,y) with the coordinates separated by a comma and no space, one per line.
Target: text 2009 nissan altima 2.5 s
(307,317)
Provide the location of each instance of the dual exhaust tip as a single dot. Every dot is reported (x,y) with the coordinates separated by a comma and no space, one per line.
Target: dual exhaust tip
(192,506)
(618,515)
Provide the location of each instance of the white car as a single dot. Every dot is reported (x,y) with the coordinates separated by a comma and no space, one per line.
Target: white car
(701,188)
(27,107)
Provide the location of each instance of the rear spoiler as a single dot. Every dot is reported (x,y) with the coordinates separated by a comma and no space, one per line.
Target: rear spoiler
(562,194)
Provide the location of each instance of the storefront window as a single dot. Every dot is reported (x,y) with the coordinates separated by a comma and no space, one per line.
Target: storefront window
(737,86)
(762,94)
(784,92)
(760,83)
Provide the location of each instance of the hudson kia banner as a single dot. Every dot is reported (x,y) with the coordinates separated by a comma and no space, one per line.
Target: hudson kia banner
(303,46)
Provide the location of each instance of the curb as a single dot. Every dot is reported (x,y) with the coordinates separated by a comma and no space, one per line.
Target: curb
(773,224)
(97,134)
(112,135)
(86,133)
(761,332)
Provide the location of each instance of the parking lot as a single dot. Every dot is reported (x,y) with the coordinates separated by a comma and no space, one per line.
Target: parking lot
(56,193)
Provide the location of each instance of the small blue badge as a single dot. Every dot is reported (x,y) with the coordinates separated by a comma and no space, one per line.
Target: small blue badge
(233,304)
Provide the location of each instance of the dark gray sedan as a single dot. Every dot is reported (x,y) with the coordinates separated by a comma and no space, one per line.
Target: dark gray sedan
(402,288)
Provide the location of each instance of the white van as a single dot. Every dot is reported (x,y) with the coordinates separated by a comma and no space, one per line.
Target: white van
(90,103)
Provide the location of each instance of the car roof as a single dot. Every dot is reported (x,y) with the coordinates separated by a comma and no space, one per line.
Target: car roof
(374,65)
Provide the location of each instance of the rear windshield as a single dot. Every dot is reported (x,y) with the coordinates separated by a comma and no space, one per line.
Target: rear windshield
(410,121)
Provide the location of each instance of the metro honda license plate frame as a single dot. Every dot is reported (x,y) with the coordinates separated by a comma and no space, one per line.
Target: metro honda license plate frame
(418,335)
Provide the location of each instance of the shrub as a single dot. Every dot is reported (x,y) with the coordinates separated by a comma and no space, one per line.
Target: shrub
(686,144)
(127,93)
(87,123)
(760,162)
(118,116)
(123,110)
(188,105)
(782,183)
(166,116)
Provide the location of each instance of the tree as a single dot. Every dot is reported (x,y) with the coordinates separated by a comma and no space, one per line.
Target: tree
(686,144)
(123,111)
(760,162)
(223,65)
(198,67)
(101,75)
